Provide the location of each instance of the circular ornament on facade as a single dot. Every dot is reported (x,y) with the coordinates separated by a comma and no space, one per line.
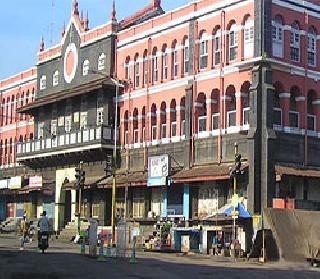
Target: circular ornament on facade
(70,62)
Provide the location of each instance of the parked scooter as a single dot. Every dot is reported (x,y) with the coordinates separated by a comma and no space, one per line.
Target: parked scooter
(43,242)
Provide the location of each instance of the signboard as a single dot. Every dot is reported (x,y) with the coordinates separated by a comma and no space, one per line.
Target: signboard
(4,184)
(158,170)
(15,182)
(235,200)
(158,166)
(35,181)
(207,201)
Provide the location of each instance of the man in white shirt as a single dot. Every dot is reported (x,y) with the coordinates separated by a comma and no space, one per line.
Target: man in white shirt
(44,223)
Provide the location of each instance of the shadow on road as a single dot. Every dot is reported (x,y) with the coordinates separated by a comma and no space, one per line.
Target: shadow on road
(31,264)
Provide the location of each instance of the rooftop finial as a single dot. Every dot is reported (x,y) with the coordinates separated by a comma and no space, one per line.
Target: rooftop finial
(41,48)
(156,3)
(113,14)
(75,10)
(86,22)
(63,30)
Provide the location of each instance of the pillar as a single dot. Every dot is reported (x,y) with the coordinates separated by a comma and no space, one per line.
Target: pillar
(186,201)
(73,204)
(178,120)
(164,201)
(140,128)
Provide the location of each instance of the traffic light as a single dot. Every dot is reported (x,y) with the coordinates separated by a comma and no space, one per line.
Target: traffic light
(78,176)
(237,163)
(82,177)
(108,168)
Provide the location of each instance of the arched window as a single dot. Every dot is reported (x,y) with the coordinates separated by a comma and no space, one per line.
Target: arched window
(312,47)
(215,109)
(203,51)
(155,65)
(127,72)
(154,122)
(295,42)
(101,61)
(163,120)
(144,115)
(311,113)
(55,78)
(231,106)
(201,109)
(277,110)
(135,126)
(145,67)
(294,119)
(164,62)
(173,119)
(248,37)
(126,127)
(182,116)
(43,82)
(277,37)
(217,46)
(233,42)
(85,67)
(175,59)
(13,111)
(186,56)
(136,71)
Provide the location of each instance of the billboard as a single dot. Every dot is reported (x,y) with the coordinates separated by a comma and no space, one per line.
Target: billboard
(158,170)
(35,181)
(3,184)
(15,182)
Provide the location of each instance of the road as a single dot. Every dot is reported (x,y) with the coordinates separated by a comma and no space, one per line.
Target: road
(64,261)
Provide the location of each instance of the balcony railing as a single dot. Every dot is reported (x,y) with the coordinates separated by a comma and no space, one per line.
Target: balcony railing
(100,134)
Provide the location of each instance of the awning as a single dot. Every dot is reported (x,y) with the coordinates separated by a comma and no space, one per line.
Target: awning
(89,183)
(205,173)
(66,94)
(295,171)
(130,179)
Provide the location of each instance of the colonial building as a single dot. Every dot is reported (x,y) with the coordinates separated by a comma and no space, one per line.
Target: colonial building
(198,79)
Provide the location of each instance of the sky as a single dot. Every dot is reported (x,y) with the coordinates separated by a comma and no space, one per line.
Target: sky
(24,22)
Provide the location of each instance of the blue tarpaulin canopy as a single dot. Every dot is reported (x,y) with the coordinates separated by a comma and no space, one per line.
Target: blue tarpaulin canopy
(243,213)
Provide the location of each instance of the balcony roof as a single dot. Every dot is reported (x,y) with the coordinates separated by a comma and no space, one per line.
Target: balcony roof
(297,171)
(67,93)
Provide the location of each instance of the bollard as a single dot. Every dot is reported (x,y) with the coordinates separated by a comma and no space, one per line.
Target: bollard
(133,259)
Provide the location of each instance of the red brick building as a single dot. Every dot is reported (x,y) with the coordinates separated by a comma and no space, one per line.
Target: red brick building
(199,79)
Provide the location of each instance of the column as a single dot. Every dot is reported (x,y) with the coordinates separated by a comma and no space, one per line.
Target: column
(186,202)
(73,204)
(164,201)
(241,43)
(285,106)
(210,52)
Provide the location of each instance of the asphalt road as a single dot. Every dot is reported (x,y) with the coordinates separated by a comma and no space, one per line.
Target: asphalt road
(64,261)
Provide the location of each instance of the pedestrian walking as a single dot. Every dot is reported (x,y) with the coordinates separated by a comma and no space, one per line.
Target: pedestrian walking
(24,228)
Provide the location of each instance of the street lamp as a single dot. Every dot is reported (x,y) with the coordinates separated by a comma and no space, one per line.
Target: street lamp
(118,84)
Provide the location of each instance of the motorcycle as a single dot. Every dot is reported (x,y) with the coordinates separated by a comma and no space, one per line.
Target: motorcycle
(43,242)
